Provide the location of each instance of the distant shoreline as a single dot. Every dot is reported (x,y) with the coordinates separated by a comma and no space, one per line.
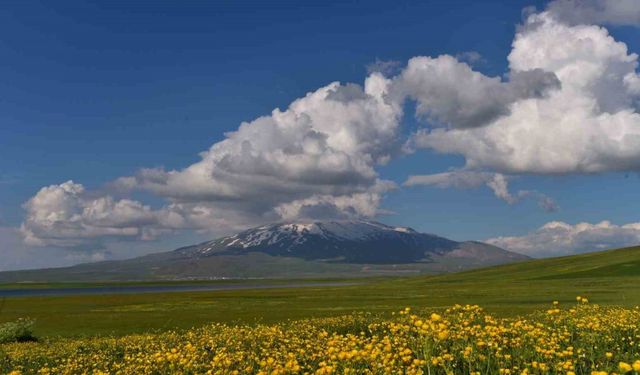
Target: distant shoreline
(132,289)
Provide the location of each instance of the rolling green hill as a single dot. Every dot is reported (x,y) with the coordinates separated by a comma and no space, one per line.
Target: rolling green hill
(610,263)
(609,277)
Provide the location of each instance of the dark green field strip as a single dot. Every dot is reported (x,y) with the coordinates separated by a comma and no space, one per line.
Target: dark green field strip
(55,285)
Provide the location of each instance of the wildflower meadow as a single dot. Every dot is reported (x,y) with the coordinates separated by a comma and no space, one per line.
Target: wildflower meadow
(580,338)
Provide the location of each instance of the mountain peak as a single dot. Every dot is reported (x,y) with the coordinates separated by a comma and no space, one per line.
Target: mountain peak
(300,231)
(345,241)
(345,224)
(349,241)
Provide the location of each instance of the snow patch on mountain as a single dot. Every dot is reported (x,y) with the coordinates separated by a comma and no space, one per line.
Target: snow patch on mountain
(333,238)
(298,233)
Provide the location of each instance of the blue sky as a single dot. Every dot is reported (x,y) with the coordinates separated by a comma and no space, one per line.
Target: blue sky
(94,91)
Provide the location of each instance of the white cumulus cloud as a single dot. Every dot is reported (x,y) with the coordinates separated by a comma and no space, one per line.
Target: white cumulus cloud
(62,215)
(449,91)
(557,238)
(590,124)
(328,142)
(319,155)
(613,12)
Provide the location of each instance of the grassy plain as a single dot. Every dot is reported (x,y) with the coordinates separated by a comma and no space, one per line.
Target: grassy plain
(610,277)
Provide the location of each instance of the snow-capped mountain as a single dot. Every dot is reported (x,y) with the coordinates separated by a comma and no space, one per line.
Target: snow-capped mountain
(293,250)
(335,241)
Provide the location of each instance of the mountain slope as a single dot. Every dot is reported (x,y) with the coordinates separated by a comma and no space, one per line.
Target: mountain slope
(337,241)
(318,249)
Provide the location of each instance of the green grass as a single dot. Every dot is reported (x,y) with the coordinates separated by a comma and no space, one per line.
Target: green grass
(78,285)
(609,277)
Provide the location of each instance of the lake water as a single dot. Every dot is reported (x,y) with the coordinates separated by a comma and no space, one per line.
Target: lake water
(132,289)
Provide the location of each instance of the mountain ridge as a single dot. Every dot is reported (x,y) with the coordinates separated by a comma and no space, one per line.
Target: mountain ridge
(335,248)
(347,241)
